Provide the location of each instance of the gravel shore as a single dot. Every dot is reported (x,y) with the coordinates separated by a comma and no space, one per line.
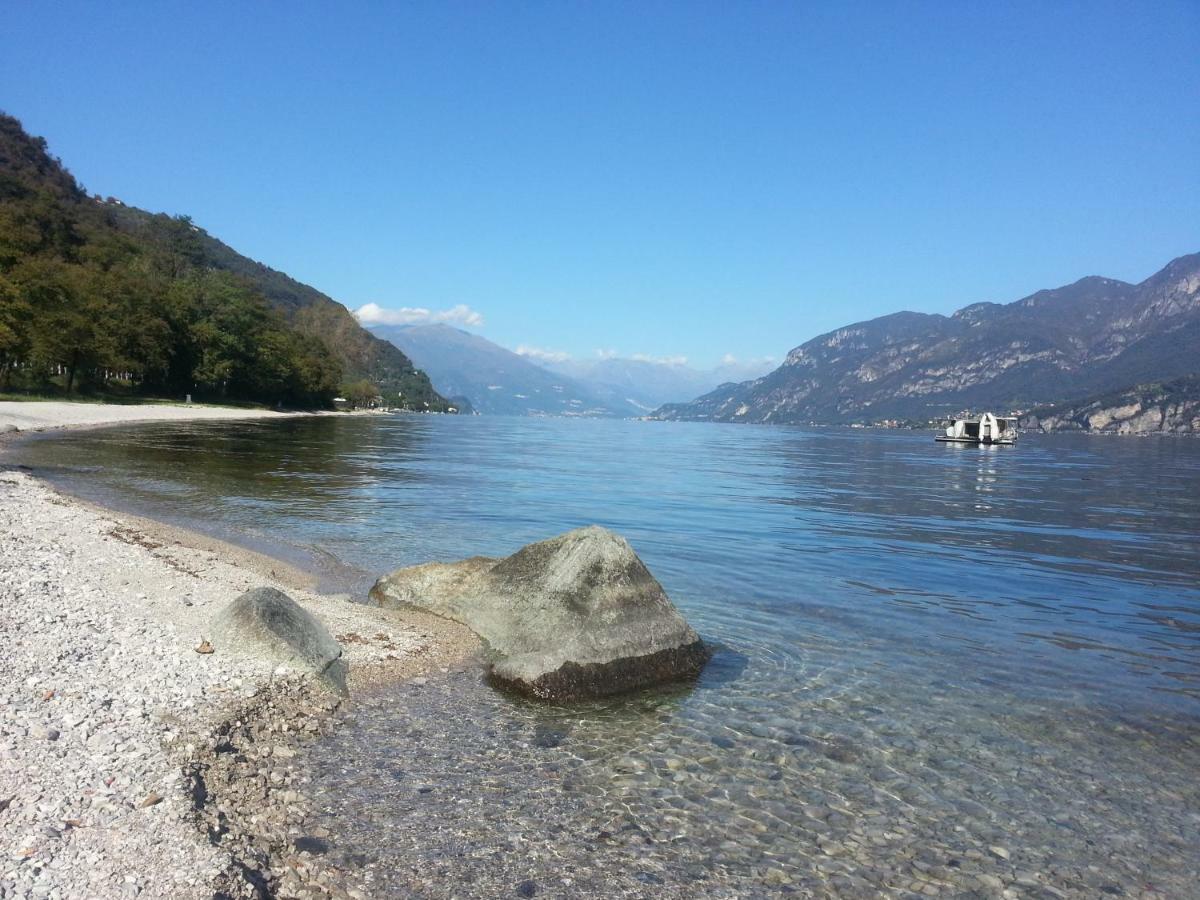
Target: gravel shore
(111,722)
(44,415)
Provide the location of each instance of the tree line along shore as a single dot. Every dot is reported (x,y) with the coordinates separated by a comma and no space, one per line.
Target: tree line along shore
(100,298)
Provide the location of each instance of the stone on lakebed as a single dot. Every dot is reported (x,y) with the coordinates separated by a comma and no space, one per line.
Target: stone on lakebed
(572,617)
(269,624)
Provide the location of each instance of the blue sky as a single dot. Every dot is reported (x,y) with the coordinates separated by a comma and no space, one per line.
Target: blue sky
(685,179)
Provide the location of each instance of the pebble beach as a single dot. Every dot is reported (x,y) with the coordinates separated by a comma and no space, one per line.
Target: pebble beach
(114,709)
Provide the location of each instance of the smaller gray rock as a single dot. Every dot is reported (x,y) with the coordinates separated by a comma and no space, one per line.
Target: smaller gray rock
(269,624)
(8,428)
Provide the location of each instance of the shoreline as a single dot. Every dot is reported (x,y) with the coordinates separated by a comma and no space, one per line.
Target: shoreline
(116,776)
(21,416)
(51,418)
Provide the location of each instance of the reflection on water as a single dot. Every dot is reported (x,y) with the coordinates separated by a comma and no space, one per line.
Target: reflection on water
(944,669)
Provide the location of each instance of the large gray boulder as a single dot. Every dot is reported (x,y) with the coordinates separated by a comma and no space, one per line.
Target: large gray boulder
(269,624)
(576,616)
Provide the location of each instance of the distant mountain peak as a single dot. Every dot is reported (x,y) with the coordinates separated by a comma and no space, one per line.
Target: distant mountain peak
(648,383)
(495,380)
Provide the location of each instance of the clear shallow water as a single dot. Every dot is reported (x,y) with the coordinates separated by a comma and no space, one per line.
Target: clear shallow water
(927,652)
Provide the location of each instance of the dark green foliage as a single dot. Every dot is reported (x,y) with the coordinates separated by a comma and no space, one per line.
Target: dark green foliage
(87,306)
(362,355)
(102,298)
(361,394)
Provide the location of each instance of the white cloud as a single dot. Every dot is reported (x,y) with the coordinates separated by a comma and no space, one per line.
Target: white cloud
(661,360)
(642,357)
(374,314)
(554,356)
(732,367)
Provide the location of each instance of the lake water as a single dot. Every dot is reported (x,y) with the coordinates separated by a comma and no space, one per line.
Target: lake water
(941,670)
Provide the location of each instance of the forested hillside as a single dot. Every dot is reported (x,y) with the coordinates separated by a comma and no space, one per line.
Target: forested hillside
(96,296)
(362,355)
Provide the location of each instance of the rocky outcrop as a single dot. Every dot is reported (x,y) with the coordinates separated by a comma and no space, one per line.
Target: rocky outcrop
(1169,408)
(576,616)
(1094,336)
(269,624)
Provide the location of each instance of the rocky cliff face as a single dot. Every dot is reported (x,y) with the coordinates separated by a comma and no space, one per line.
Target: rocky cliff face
(1169,408)
(1090,337)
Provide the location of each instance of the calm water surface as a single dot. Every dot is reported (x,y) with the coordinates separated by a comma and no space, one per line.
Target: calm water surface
(942,670)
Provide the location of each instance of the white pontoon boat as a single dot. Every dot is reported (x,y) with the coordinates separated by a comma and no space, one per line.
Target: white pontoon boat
(985,429)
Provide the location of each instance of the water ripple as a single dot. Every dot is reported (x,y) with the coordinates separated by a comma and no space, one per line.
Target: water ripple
(924,652)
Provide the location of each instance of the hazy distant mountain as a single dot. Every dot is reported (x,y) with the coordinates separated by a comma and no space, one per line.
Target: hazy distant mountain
(648,384)
(1086,339)
(495,381)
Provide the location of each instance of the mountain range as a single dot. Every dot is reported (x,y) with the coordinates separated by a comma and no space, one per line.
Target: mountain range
(647,384)
(99,296)
(497,381)
(493,380)
(1095,336)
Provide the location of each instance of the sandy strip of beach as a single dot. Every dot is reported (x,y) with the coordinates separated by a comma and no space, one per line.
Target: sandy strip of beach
(44,415)
(102,690)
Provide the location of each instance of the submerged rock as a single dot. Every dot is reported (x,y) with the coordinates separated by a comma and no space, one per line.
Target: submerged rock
(269,624)
(576,616)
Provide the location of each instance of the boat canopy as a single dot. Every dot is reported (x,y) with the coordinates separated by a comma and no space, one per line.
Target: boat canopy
(987,428)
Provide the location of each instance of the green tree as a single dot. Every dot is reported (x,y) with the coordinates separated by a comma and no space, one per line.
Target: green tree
(361,393)
(64,323)
(15,314)
(133,335)
(89,288)
(309,373)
